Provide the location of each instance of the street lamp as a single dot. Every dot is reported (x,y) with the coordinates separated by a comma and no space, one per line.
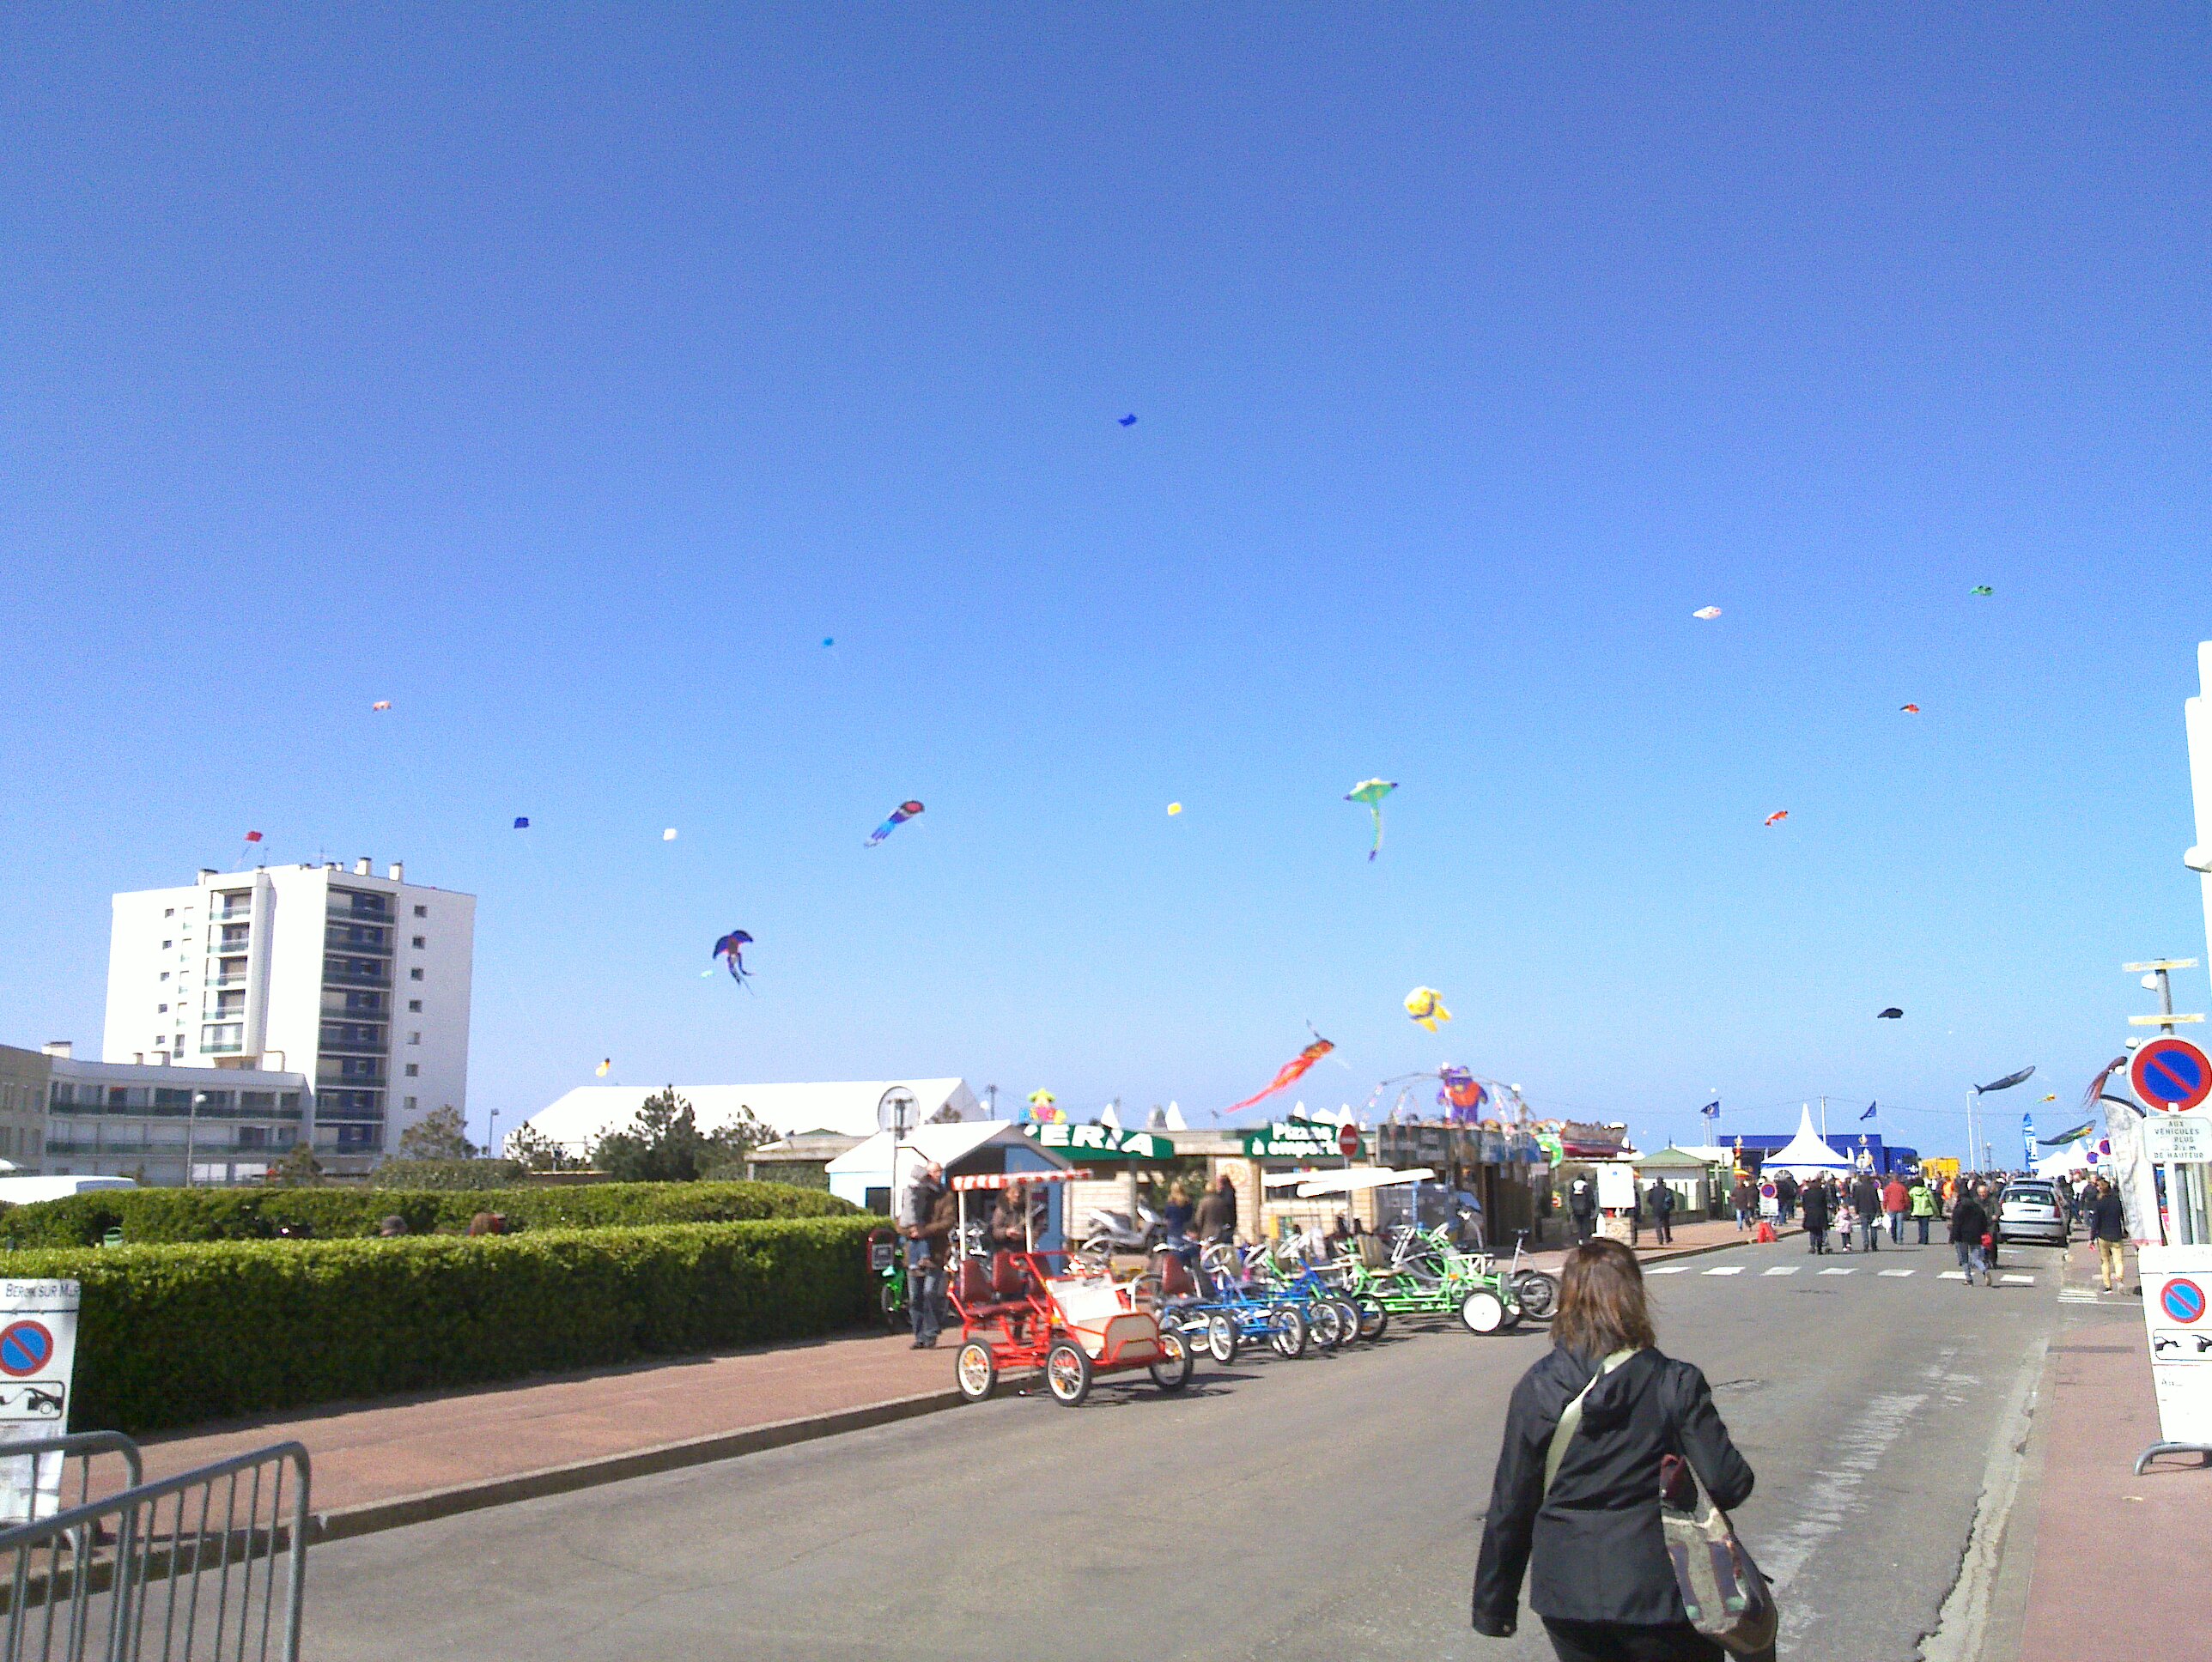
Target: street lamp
(895,1111)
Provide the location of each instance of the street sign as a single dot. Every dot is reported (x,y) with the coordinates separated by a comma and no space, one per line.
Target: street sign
(38,1358)
(1347,1142)
(2173,1283)
(2182,1300)
(2176,1138)
(2170,1075)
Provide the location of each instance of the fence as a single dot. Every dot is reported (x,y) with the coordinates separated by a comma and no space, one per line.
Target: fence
(208,1566)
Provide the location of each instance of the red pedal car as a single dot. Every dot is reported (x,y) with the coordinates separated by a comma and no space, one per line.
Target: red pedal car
(1032,1309)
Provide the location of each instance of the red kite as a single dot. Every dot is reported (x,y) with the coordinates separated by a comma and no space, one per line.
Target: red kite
(1289,1074)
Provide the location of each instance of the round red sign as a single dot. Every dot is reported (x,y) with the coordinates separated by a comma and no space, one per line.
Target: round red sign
(1347,1142)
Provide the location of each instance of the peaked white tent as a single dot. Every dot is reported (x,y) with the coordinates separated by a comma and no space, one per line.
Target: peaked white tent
(1805,1154)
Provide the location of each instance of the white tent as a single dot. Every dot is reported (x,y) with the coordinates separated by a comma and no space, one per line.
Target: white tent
(1805,1154)
(2071,1160)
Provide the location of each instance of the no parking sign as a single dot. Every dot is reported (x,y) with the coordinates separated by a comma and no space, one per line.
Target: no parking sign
(2176,1281)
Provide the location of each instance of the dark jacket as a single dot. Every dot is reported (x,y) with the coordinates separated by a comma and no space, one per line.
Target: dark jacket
(1217,1214)
(1969,1222)
(1816,1203)
(1866,1197)
(2108,1218)
(1592,1548)
(1663,1200)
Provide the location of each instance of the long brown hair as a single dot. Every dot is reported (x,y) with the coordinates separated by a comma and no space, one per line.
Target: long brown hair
(1601,1308)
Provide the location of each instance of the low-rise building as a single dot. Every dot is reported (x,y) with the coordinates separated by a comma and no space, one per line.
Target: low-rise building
(24,1077)
(846,1107)
(170,1125)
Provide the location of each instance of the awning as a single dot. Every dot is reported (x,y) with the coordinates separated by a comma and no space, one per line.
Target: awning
(1012,1180)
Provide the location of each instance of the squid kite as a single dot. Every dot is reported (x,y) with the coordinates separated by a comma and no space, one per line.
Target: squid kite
(1892,1014)
(731,950)
(1708,612)
(1778,816)
(1371,791)
(1289,1074)
(1426,1005)
(900,815)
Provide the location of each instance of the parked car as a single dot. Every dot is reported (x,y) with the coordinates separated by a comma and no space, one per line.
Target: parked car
(2030,1211)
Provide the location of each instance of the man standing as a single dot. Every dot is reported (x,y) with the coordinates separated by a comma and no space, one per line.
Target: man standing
(1970,1227)
(1581,1206)
(925,1232)
(1815,1199)
(1745,1199)
(1866,1201)
(1785,1199)
(1662,1211)
(1217,1212)
(1894,1200)
(2108,1228)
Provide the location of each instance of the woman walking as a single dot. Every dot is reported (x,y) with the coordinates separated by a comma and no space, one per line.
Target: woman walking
(1586,1533)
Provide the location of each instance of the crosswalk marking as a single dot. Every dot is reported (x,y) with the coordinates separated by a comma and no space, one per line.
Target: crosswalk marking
(1727,1270)
(1669,1270)
(1953,1274)
(1780,1269)
(1895,1272)
(2078,1295)
(2019,1281)
(1835,1272)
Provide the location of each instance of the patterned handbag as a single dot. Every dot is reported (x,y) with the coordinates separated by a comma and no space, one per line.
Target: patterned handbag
(1725,1594)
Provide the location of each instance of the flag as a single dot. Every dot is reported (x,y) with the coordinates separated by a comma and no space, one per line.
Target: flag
(2028,1137)
(1871,1106)
(1711,1110)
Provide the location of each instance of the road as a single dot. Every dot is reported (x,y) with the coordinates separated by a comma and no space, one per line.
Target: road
(1327,1508)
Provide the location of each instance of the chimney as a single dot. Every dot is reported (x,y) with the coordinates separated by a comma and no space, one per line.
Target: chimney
(139,1059)
(398,872)
(360,866)
(206,874)
(62,1049)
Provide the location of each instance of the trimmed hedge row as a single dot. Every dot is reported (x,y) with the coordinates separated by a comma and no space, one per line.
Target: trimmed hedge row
(152,1216)
(174,1336)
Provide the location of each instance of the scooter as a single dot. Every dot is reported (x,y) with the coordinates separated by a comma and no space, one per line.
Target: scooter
(1106,1231)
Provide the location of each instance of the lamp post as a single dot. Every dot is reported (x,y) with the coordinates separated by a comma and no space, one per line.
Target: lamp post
(894,1109)
(492,1136)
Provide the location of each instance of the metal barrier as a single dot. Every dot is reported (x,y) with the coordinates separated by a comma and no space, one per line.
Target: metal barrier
(76,1455)
(208,1566)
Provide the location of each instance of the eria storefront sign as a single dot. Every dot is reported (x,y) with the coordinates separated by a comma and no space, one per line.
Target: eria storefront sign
(1100,1141)
(1293,1139)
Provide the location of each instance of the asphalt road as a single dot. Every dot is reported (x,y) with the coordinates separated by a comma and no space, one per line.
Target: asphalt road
(1324,1508)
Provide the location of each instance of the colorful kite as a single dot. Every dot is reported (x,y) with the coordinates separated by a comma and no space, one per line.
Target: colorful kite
(522,822)
(1045,1109)
(1174,808)
(1460,1092)
(1371,791)
(381,704)
(669,835)
(1708,612)
(900,815)
(1289,1074)
(731,948)
(607,1064)
(1778,816)
(1426,1005)
(1892,1014)
(1981,588)
(1909,709)
(253,836)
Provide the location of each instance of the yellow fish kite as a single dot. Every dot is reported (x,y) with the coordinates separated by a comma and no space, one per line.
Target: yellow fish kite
(1426,1006)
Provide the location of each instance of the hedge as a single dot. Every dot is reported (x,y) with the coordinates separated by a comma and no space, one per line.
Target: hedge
(172,1216)
(174,1336)
(446,1174)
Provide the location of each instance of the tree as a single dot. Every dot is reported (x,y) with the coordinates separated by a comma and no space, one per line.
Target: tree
(664,1143)
(535,1152)
(297,1169)
(438,1135)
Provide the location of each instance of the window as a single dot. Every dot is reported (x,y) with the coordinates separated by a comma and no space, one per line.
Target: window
(170,912)
(421,911)
(410,1105)
(413,1069)
(162,1011)
(165,974)
(415,1006)
(414,974)
(415,1038)
(422,940)
(166,945)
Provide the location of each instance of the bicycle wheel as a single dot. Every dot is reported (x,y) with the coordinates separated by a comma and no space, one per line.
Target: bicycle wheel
(975,1371)
(1539,1293)
(1348,1313)
(1288,1333)
(1326,1323)
(1223,1341)
(1374,1319)
(1067,1374)
(1172,1371)
(1483,1311)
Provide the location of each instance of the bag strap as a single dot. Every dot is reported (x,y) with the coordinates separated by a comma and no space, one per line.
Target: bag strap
(1571,1419)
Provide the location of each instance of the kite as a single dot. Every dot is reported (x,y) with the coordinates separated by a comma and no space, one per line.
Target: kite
(1045,1109)
(602,1068)
(1778,816)
(669,835)
(1371,791)
(731,948)
(253,836)
(1981,588)
(828,640)
(1908,709)
(1892,1014)
(900,815)
(1174,808)
(2081,1133)
(1289,1074)
(522,822)
(1708,612)
(1128,421)
(1460,1092)
(2052,1097)
(1426,1005)
(381,704)
(2007,1082)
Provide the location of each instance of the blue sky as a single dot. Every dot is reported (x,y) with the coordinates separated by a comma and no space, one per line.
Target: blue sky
(567,379)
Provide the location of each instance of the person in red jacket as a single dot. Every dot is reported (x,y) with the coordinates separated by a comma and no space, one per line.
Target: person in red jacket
(1894,1199)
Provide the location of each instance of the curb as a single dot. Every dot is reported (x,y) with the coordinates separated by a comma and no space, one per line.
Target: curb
(373,1516)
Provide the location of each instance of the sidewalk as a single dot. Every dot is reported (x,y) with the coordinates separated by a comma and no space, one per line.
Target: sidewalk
(377,1464)
(1707,1235)
(2117,1558)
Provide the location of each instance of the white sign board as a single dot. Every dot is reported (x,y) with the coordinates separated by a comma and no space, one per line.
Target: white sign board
(2167,1137)
(1616,1185)
(38,1361)
(2176,1290)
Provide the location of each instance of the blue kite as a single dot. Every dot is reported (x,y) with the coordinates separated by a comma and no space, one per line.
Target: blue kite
(731,948)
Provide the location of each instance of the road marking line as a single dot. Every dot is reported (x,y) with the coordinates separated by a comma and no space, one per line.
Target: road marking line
(2019,1281)
(1669,1270)
(1727,1270)
(1951,1274)
(1894,1272)
(1780,1269)
(1837,1272)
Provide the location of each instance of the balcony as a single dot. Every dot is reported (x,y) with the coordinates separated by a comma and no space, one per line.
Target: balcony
(231,946)
(356,938)
(343,973)
(237,980)
(359,908)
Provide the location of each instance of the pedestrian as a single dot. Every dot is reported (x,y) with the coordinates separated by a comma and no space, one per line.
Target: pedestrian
(1662,1211)
(1745,1199)
(924,1258)
(1588,1535)
(1785,1199)
(391,1228)
(1217,1212)
(1894,1200)
(2108,1228)
(1582,1207)
(1866,1201)
(1970,1227)
(1815,1199)
(1466,1207)
(1922,1200)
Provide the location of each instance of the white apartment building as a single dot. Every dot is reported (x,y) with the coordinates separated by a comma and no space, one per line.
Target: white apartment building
(169,1125)
(359,983)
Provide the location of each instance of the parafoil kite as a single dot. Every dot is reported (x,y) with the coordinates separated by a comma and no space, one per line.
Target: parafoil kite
(1909,709)
(1778,816)
(1371,791)
(1175,808)
(1981,588)
(522,822)
(1045,1109)
(606,1064)
(1892,1014)
(1290,1073)
(381,704)
(669,835)
(1426,1005)
(900,815)
(731,948)
(1708,612)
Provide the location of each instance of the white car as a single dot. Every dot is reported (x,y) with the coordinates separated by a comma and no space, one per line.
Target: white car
(2030,1211)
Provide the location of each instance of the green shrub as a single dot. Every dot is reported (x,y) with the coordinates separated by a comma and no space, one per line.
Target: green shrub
(173,1215)
(446,1174)
(172,1336)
